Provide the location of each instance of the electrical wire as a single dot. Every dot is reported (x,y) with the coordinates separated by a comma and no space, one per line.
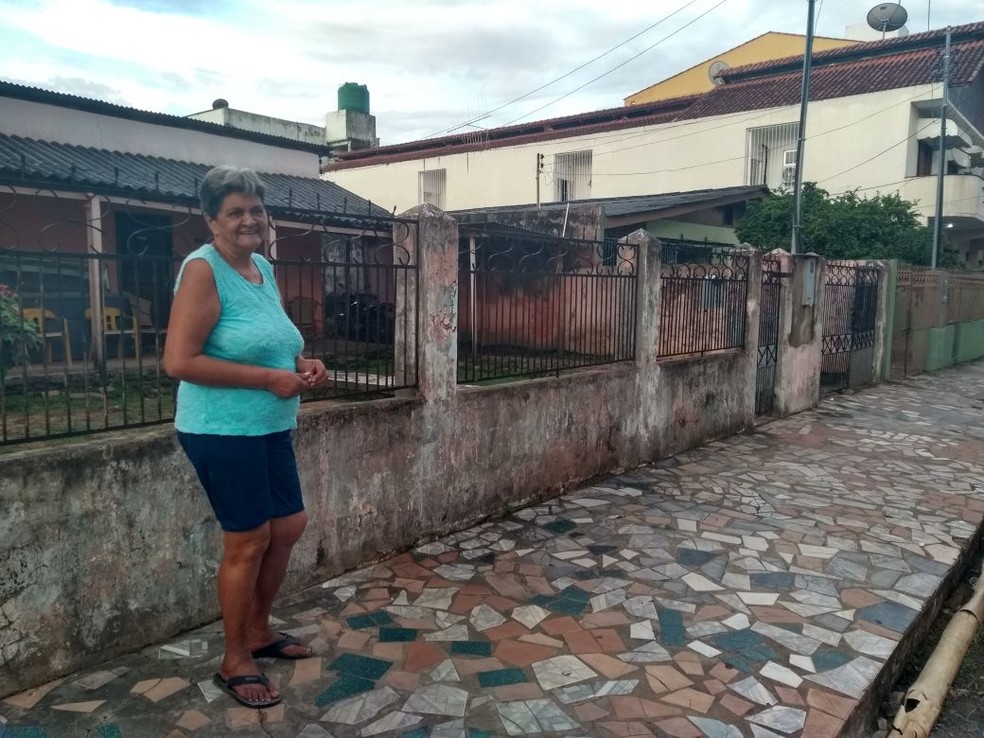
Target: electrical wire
(880,153)
(618,66)
(566,74)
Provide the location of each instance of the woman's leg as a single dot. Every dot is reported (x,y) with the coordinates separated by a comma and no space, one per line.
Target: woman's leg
(239,572)
(284,533)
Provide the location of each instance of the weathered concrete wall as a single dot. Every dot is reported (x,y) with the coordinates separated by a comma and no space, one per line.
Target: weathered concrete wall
(109,545)
(800,332)
(968,341)
(938,319)
(939,348)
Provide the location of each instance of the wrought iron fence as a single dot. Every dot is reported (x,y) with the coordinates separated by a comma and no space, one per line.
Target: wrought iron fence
(770,304)
(850,312)
(84,305)
(531,304)
(703,303)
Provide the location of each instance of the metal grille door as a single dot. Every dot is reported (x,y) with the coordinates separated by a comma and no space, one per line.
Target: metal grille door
(850,313)
(768,343)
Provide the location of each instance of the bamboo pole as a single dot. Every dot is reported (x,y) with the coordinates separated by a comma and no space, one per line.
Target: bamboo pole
(924,700)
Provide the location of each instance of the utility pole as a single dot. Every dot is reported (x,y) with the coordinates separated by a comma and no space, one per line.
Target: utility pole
(941,170)
(539,171)
(797,244)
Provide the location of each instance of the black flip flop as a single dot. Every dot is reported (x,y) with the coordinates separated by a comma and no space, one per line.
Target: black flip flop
(275,650)
(227,686)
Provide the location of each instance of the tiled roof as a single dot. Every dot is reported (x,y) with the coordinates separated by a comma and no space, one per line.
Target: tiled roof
(75,102)
(26,162)
(597,121)
(854,70)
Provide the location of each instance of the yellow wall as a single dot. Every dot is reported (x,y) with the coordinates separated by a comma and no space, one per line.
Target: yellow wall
(764,48)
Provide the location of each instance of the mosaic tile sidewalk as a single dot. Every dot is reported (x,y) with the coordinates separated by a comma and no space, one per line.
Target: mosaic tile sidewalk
(754,587)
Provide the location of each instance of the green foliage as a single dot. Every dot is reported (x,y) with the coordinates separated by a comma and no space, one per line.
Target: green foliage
(18,336)
(843,227)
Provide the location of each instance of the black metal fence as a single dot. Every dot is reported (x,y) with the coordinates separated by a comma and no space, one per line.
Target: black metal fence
(82,330)
(770,302)
(531,304)
(703,303)
(850,313)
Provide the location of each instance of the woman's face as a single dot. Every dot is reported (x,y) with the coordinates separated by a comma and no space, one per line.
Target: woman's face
(240,224)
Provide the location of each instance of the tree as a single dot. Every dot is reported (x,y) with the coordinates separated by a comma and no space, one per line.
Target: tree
(843,227)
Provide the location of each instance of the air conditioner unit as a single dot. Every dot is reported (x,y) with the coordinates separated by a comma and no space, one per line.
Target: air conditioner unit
(789,174)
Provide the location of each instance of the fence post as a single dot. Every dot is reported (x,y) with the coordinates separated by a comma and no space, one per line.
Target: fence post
(882,324)
(891,277)
(433,311)
(649,285)
(800,333)
(752,307)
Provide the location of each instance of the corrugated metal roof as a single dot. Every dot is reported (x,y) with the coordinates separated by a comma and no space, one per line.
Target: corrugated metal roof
(75,102)
(619,206)
(648,203)
(29,162)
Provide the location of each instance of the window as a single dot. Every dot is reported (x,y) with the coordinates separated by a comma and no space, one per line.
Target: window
(924,162)
(431,186)
(770,152)
(572,176)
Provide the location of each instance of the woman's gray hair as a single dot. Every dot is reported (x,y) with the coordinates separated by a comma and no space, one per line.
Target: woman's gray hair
(223,181)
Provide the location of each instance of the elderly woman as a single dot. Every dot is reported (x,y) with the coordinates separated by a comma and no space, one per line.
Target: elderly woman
(239,360)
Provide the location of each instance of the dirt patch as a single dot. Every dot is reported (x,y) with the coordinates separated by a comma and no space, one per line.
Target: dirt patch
(963,710)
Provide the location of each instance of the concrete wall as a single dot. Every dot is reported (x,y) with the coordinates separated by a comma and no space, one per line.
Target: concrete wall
(968,341)
(81,128)
(938,321)
(800,332)
(108,545)
(670,157)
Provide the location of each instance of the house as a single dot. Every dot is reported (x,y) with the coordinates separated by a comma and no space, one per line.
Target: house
(873,127)
(98,205)
(705,76)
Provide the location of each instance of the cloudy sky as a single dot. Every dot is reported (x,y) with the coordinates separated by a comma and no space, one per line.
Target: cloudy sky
(430,65)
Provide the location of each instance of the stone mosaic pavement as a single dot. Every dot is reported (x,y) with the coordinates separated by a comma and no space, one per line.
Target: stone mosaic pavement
(753,587)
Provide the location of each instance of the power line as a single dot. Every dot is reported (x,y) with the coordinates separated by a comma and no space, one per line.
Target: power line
(566,74)
(617,66)
(880,153)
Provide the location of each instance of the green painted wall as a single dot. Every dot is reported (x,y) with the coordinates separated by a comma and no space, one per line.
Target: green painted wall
(691,231)
(939,351)
(968,341)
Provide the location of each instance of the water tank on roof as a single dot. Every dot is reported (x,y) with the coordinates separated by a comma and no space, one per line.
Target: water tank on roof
(353,96)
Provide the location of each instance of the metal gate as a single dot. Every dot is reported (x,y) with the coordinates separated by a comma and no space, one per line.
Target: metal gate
(768,342)
(850,311)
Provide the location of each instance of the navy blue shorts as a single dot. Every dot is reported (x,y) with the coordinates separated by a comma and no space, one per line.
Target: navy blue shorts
(248,479)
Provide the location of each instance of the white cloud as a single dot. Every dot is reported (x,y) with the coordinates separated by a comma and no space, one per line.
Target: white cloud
(429,64)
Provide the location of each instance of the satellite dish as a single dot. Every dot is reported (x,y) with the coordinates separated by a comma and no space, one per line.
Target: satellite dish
(887,17)
(716,70)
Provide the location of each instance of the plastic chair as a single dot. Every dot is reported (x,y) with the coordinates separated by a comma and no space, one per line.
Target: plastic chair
(143,316)
(41,319)
(113,321)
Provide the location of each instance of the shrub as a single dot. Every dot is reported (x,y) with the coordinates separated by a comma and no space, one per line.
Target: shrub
(18,335)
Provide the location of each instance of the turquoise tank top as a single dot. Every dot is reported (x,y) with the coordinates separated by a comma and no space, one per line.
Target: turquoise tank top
(252,329)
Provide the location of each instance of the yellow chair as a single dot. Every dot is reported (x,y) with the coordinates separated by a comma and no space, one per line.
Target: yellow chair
(113,326)
(40,318)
